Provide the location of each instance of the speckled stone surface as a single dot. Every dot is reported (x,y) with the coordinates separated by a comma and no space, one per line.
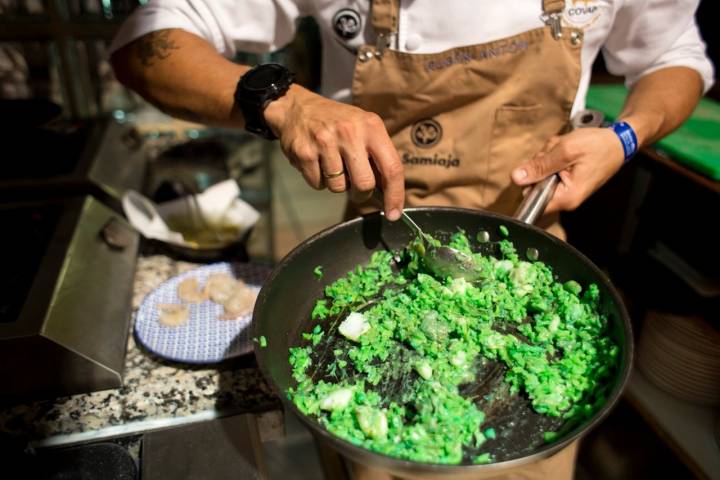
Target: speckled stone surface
(153,388)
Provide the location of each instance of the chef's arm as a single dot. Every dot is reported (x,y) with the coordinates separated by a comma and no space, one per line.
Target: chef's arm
(586,158)
(661,101)
(183,75)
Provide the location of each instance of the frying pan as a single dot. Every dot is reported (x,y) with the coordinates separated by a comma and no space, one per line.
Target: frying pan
(282,314)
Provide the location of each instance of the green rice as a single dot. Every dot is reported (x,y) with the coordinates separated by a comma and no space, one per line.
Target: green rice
(434,332)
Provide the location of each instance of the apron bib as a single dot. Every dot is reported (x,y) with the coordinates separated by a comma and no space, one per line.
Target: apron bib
(464,118)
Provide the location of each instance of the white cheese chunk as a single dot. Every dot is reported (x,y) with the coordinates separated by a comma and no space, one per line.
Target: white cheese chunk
(354,326)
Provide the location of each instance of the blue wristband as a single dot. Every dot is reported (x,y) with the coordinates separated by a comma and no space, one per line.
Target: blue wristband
(627,137)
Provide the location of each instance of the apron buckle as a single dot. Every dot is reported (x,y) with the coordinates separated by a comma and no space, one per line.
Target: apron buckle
(554,21)
(384,40)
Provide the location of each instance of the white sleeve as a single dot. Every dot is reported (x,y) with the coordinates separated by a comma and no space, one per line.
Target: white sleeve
(653,34)
(256,26)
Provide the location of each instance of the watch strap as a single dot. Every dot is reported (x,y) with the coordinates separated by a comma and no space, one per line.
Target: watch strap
(254,116)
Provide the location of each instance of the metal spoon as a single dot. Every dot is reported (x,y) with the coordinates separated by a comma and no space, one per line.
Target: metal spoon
(446,262)
(442,261)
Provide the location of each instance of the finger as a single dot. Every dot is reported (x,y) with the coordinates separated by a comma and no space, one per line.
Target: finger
(312,175)
(360,198)
(541,166)
(355,157)
(386,159)
(332,168)
(564,194)
(350,144)
(309,165)
(334,174)
(291,157)
(550,144)
(555,203)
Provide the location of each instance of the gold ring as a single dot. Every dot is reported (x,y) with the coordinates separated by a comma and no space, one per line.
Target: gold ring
(334,174)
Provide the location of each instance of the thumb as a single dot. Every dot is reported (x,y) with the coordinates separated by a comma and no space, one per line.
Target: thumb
(541,166)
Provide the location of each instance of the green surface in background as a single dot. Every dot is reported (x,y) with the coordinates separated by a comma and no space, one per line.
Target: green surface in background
(695,144)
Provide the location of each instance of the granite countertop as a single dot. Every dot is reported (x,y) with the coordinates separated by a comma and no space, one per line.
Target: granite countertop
(156,393)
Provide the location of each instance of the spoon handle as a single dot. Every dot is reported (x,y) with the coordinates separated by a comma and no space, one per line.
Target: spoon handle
(412,225)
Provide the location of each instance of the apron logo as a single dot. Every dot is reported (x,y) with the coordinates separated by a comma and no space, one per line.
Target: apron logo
(426,133)
(582,13)
(347,23)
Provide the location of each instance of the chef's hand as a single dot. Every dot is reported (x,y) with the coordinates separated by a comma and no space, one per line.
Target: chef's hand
(322,138)
(585,159)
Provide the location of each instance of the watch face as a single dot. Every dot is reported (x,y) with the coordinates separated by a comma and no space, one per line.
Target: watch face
(264,76)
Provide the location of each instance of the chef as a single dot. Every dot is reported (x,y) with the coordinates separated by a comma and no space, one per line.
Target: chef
(438,102)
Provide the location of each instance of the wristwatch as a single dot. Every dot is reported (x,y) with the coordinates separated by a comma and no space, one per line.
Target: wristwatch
(256,89)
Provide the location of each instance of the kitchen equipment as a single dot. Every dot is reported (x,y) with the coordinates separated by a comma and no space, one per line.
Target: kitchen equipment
(202,225)
(681,355)
(204,338)
(356,240)
(68,258)
(61,158)
(28,112)
(229,447)
(442,260)
(90,462)
(65,297)
(234,446)
(282,314)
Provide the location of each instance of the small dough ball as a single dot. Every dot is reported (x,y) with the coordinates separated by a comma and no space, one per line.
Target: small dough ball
(220,287)
(172,315)
(241,302)
(189,291)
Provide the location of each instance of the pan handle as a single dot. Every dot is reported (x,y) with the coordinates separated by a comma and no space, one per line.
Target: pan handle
(534,203)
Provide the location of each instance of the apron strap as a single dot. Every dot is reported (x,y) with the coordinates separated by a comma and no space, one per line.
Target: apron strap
(385,21)
(385,16)
(552,16)
(553,6)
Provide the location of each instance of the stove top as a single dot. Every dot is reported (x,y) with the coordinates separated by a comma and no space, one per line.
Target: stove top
(99,157)
(42,152)
(68,257)
(27,231)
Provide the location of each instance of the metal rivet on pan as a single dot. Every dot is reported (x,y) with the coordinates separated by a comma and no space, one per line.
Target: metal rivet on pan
(483,236)
(532,254)
(576,37)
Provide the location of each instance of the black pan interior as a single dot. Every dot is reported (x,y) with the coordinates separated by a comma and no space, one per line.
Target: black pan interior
(283,309)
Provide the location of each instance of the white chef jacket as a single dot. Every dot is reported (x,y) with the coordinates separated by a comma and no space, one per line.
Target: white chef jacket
(636,36)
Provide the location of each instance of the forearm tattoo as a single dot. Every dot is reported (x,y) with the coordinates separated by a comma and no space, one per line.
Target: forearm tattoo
(155,46)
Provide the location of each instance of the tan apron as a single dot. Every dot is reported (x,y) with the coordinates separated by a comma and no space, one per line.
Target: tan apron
(464,118)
